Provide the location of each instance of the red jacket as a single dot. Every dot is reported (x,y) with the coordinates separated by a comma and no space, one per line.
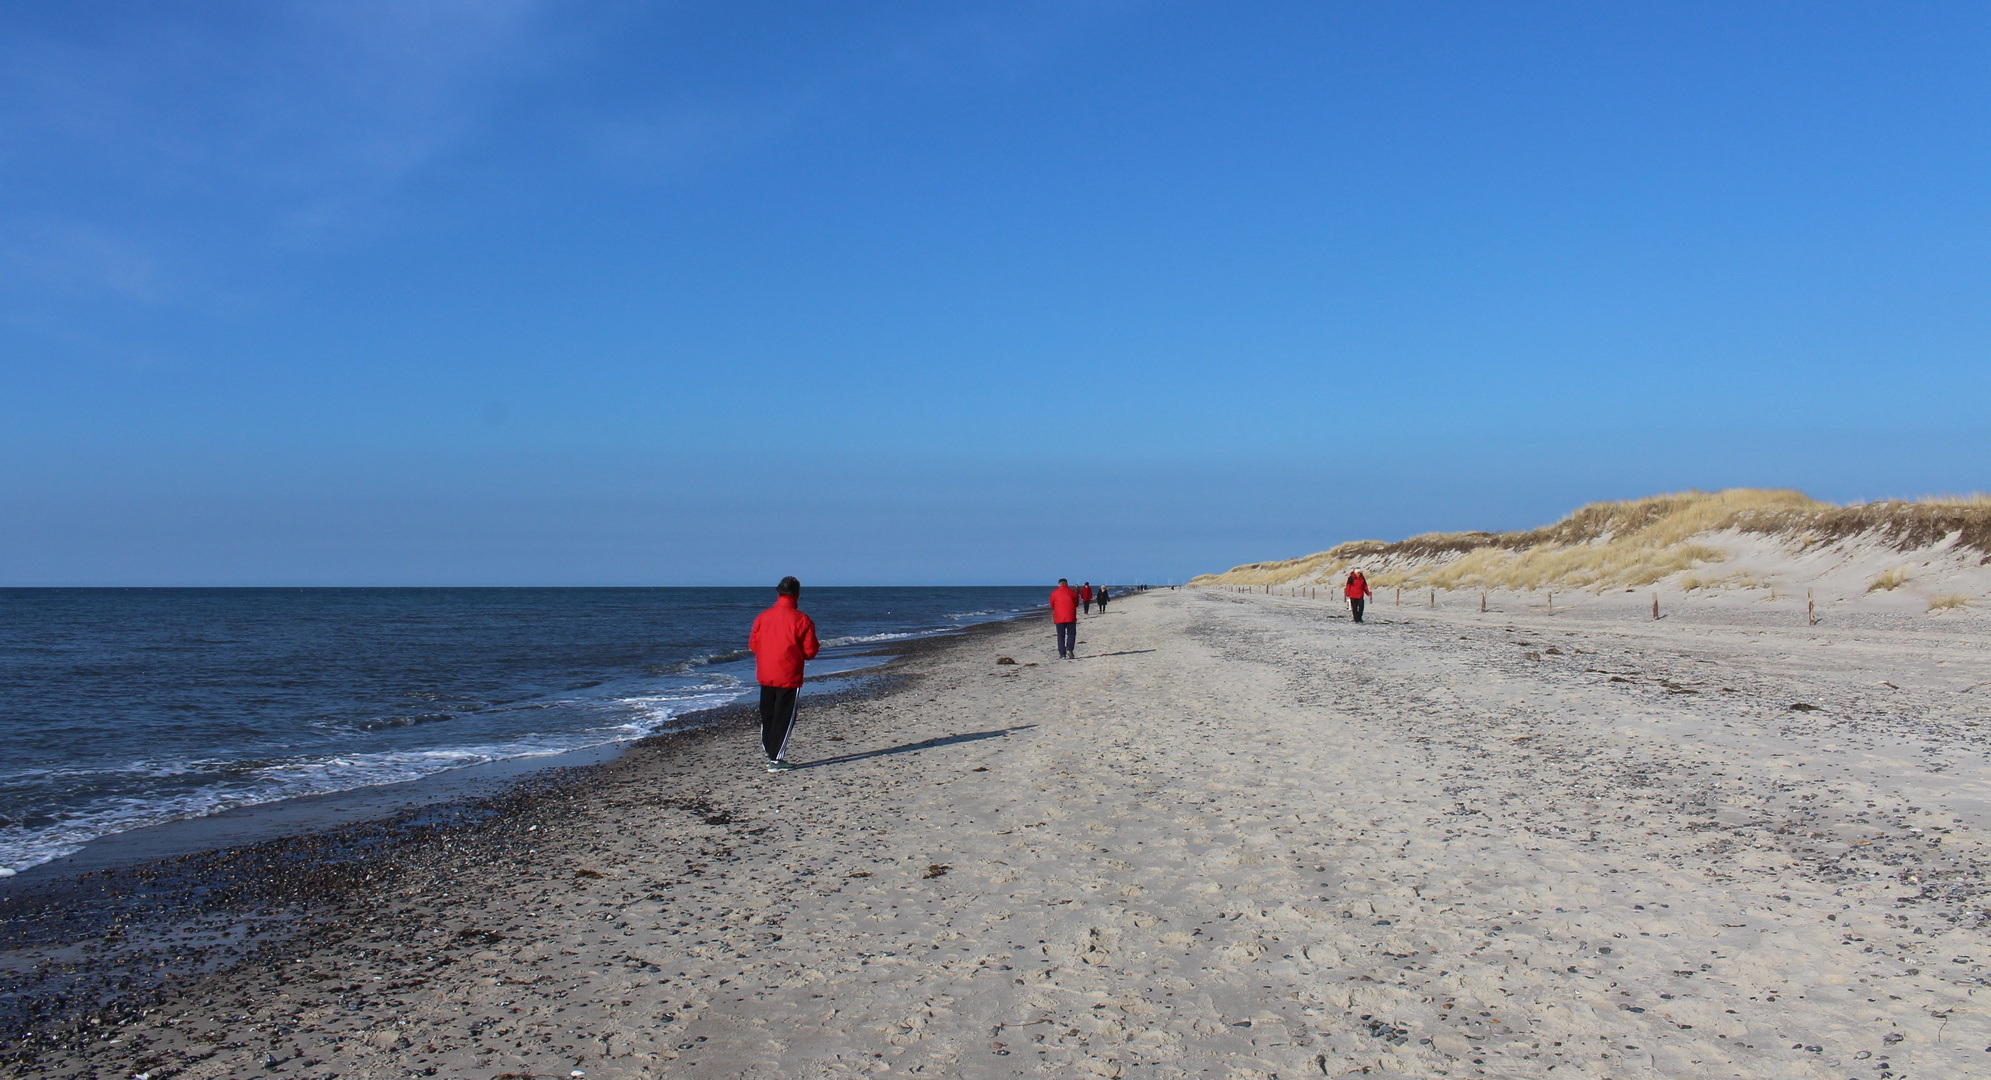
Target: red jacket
(782,639)
(1085,593)
(1358,587)
(1064,604)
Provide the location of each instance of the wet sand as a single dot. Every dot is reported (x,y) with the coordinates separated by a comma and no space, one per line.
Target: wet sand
(1242,837)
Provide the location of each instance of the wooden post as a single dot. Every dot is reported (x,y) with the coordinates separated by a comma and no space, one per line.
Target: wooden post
(1399,596)
(1655,605)
(1551,603)
(1810,609)
(1482,601)
(1434,599)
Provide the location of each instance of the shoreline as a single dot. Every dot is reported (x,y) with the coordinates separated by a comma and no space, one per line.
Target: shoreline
(303,815)
(249,727)
(260,879)
(1240,836)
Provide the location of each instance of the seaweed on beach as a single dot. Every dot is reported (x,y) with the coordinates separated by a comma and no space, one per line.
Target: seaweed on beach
(104,947)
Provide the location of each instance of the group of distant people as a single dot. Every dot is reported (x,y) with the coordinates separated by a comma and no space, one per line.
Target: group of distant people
(783,640)
(1065,604)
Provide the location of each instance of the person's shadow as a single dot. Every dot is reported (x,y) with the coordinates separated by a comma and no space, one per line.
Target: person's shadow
(907,748)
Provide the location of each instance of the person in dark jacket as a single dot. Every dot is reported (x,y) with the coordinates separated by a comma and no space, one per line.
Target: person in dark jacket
(1357,591)
(1102,599)
(783,639)
(1064,616)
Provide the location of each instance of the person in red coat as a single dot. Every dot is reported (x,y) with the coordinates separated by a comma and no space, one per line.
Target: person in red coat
(1357,591)
(1064,616)
(783,639)
(1085,596)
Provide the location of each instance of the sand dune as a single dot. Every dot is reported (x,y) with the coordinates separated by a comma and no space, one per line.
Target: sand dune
(1242,837)
(1736,539)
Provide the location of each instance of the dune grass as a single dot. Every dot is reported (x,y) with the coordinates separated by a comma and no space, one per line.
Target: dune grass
(1721,581)
(1633,542)
(1903,524)
(1948,602)
(1888,581)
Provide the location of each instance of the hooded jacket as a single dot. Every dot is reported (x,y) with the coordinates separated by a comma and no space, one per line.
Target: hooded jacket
(1064,604)
(783,637)
(1358,588)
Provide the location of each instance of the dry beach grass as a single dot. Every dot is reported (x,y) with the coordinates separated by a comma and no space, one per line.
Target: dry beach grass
(1242,838)
(1642,542)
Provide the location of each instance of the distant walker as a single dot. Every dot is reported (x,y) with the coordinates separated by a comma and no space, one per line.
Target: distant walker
(783,639)
(1064,616)
(1357,591)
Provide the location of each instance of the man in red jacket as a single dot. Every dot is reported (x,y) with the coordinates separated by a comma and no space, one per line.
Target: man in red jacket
(782,640)
(1357,591)
(1085,596)
(1064,616)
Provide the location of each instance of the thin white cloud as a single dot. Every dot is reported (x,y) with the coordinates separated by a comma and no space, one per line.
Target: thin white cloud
(78,259)
(292,120)
(146,153)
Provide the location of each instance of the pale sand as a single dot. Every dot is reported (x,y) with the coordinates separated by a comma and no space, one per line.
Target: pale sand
(1244,837)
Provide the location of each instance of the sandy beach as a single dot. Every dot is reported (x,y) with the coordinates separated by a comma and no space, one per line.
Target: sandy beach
(1241,837)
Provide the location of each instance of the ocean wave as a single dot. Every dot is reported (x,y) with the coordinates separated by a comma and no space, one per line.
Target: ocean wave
(405,721)
(408,686)
(683,667)
(237,784)
(867,639)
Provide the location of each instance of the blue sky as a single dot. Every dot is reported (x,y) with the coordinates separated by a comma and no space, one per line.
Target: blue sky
(624,293)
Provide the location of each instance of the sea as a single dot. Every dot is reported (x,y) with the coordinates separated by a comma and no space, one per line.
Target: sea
(127,708)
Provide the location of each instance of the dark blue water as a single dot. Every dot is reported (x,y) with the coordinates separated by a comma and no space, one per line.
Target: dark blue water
(128,707)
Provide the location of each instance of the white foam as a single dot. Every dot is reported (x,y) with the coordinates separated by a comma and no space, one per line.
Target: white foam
(866,639)
(244,785)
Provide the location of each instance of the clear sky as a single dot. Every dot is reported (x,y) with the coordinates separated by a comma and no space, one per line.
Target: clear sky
(501,292)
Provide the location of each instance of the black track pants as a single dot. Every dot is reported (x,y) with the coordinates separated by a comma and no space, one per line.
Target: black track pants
(777,718)
(1355,605)
(1067,638)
